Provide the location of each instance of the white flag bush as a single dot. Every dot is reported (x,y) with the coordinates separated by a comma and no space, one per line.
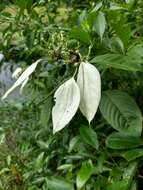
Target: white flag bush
(84,94)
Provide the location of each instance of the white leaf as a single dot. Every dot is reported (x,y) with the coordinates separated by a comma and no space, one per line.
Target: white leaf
(89,83)
(1,57)
(67,99)
(17,72)
(23,84)
(21,79)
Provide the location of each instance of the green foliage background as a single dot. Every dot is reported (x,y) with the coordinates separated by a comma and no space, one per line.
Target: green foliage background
(104,156)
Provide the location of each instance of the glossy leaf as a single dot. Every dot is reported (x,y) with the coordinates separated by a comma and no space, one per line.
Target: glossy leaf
(89,136)
(67,98)
(121,112)
(89,83)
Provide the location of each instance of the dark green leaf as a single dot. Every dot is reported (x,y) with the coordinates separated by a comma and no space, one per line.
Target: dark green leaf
(89,136)
(118,61)
(39,161)
(122,141)
(84,174)
(133,154)
(73,143)
(121,112)
(118,185)
(81,35)
(46,112)
(58,184)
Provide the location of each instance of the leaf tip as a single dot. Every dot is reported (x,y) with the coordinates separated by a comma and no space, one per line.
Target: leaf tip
(55,131)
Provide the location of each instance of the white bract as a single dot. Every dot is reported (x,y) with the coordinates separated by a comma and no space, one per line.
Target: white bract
(22,78)
(89,83)
(85,94)
(23,84)
(1,57)
(67,99)
(17,72)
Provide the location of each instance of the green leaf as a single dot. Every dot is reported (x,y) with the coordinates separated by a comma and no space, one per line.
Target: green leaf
(129,172)
(122,141)
(89,136)
(84,174)
(73,143)
(39,161)
(121,112)
(58,184)
(134,186)
(118,61)
(136,51)
(117,43)
(118,185)
(46,112)
(100,24)
(133,154)
(81,35)
(65,167)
